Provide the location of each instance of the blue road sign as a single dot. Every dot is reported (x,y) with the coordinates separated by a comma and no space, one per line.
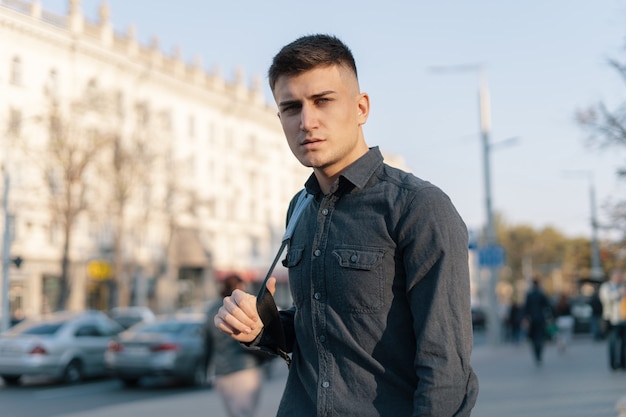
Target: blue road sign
(491,256)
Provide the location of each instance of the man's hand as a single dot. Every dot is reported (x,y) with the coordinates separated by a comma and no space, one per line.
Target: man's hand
(238,315)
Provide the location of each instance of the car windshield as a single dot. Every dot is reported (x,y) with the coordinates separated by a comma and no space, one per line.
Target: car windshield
(38,328)
(168,327)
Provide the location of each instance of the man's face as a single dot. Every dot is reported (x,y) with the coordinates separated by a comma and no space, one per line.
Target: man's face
(321,111)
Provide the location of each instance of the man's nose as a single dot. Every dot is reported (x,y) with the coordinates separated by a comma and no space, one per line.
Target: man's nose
(308,118)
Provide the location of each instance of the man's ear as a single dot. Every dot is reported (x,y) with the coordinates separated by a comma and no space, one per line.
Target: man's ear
(363,108)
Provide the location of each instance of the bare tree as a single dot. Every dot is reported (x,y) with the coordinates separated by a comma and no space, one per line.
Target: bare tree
(606,130)
(132,157)
(74,142)
(605,127)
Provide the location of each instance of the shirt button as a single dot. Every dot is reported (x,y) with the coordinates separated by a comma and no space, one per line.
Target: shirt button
(325,384)
(325,212)
(353,258)
(317,252)
(317,296)
(322,339)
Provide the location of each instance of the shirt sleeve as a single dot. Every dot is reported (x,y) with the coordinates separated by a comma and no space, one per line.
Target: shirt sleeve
(434,246)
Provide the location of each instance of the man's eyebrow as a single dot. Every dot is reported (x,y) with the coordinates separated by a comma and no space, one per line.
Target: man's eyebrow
(287,103)
(322,94)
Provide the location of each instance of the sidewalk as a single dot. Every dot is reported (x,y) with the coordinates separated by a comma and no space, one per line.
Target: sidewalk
(577,383)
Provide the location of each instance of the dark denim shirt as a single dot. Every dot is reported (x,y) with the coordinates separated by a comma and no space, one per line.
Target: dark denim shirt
(381,322)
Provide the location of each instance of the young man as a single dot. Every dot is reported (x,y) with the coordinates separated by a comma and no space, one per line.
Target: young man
(378,266)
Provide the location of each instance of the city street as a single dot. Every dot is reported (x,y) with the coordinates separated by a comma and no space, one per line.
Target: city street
(574,384)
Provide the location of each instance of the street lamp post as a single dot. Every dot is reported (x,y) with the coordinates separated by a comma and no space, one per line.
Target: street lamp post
(493,329)
(490,241)
(596,264)
(6,253)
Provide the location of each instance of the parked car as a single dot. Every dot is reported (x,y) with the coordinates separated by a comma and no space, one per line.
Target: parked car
(68,346)
(172,346)
(479,318)
(129,316)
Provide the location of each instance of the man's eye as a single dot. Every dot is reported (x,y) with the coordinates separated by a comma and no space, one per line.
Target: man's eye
(290,109)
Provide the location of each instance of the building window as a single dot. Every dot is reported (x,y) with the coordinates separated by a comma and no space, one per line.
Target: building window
(55,183)
(119,104)
(166,121)
(142,112)
(52,85)
(255,248)
(192,127)
(211,135)
(15,123)
(252,144)
(16,71)
(54,233)
(92,95)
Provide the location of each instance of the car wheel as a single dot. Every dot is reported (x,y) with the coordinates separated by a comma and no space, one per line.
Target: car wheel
(73,372)
(130,382)
(11,379)
(199,376)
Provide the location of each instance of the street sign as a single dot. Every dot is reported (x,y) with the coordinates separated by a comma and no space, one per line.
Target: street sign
(99,269)
(490,256)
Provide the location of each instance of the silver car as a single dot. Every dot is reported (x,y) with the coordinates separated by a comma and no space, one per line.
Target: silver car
(129,316)
(173,346)
(68,346)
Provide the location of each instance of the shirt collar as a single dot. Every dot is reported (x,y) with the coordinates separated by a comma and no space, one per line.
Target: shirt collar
(358,173)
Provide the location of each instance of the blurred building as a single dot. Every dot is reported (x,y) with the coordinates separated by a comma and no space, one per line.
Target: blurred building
(199,164)
(175,175)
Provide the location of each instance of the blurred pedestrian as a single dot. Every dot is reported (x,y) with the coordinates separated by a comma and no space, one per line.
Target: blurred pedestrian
(612,292)
(537,312)
(237,370)
(598,328)
(17,317)
(514,322)
(564,322)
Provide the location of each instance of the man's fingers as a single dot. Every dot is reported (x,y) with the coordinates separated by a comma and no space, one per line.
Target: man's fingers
(271,285)
(238,316)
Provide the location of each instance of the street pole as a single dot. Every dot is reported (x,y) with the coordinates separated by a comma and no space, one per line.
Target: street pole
(490,239)
(6,253)
(596,272)
(596,266)
(493,324)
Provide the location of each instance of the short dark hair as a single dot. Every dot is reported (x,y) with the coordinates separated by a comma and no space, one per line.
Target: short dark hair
(229,284)
(309,52)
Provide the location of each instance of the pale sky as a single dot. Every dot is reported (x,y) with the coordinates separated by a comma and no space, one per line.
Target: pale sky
(543,60)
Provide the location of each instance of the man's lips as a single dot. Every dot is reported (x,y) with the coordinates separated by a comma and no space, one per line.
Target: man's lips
(310,141)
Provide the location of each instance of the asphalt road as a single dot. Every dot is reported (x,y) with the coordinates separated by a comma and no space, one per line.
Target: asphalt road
(577,383)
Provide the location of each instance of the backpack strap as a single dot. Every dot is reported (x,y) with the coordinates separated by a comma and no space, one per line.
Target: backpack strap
(266,306)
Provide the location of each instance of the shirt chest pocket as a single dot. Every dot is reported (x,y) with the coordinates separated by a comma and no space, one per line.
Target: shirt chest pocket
(358,279)
(297,282)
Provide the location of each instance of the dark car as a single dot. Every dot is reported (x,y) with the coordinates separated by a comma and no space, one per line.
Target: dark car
(479,318)
(65,345)
(171,346)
